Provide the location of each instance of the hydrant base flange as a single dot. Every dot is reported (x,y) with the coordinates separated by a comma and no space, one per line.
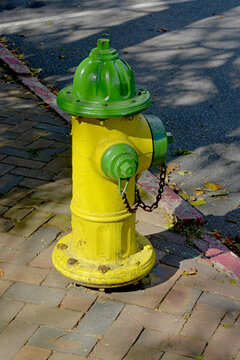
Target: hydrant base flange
(104,275)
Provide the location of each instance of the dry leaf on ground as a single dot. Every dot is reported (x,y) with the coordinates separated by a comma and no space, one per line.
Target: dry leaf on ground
(174,187)
(192,271)
(199,191)
(171,167)
(228,241)
(162,30)
(218,193)
(212,186)
(184,195)
(198,202)
(184,172)
(231,221)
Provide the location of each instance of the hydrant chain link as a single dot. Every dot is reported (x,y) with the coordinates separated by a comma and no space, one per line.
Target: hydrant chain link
(139,202)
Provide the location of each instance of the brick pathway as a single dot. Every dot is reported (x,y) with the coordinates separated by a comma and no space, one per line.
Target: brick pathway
(169,315)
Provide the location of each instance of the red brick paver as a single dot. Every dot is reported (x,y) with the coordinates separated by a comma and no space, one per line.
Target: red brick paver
(30,352)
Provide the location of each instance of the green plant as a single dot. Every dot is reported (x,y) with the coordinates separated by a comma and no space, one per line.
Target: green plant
(189,231)
(226,325)
(33,151)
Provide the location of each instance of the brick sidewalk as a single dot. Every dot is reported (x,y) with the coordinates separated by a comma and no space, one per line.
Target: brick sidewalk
(169,315)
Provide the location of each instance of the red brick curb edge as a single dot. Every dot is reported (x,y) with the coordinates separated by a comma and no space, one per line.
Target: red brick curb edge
(177,208)
(24,75)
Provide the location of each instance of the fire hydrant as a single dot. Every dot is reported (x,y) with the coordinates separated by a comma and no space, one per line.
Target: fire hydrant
(112,143)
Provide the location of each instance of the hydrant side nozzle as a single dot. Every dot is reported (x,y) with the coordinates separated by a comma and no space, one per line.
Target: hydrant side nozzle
(120,161)
(160,139)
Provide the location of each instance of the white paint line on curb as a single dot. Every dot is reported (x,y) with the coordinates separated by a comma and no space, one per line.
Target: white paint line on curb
(65,16)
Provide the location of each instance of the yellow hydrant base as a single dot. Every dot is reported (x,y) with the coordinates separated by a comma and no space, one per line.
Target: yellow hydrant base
(104,275)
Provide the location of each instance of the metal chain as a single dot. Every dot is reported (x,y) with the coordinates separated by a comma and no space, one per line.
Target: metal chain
(138,200)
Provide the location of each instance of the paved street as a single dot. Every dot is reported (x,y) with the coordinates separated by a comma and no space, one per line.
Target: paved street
(185,309)
(185,52)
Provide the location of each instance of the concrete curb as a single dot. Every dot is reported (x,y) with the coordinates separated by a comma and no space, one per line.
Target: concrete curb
(217,253)
(177,208)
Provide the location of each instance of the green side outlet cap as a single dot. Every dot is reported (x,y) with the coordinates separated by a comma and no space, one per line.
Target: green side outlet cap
(120,161)
(103,87)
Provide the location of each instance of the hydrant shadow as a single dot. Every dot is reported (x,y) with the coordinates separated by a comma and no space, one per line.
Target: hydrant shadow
(173,256)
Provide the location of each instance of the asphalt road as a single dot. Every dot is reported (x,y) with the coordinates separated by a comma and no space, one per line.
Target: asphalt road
(185,52)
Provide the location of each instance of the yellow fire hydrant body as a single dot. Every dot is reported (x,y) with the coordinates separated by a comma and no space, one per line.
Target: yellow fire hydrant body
(103,250)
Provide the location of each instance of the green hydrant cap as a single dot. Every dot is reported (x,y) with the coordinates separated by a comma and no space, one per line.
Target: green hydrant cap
(103,87)
(120,161)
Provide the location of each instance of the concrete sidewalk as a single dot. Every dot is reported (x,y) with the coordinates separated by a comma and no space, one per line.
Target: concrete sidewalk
(185,308)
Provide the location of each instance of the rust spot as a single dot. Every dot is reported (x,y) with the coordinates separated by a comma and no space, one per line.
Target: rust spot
(72,261)
(103,268)
(62,246)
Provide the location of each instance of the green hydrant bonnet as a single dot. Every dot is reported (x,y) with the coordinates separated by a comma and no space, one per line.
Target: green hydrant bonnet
(103,87)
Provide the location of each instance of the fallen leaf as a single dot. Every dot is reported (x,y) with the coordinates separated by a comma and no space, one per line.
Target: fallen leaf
(184,172)
(198,202)
(55,91)
(180,47)
(226,325)
(212,186)
(221,17)
(184,195)
(21,56)
(174,187)
(181,152)
(231,221)
(171,167)
(217,234)
(217,193)
(142,193)
(192,271)
(162,30)
(35,71)
(199,191)
(48,23)
(235,206)
(21,35)
(125,52)
(192,198)
(1,273)
(228,241)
